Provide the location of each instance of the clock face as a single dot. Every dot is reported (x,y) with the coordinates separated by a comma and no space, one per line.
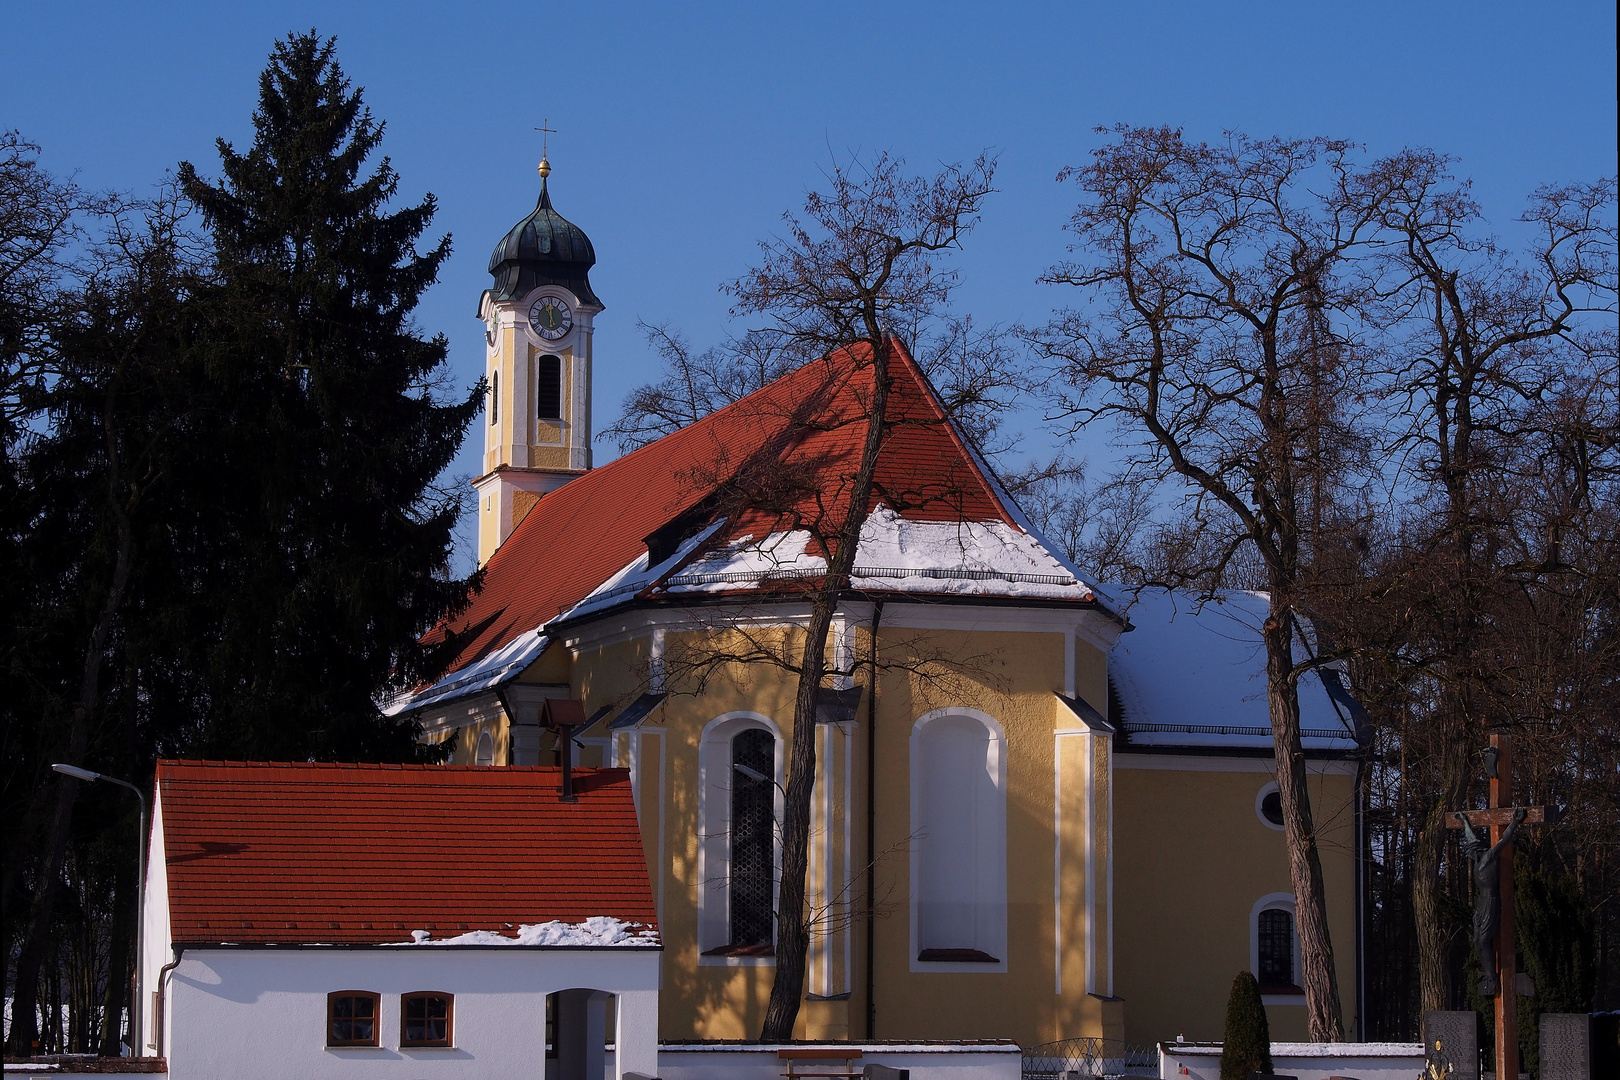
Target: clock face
(550,318)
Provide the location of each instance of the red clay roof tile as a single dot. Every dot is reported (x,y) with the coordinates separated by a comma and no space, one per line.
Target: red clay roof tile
(363,854)
(581,534)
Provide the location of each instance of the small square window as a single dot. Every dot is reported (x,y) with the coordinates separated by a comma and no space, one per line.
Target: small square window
(351,1018)
(424,1019)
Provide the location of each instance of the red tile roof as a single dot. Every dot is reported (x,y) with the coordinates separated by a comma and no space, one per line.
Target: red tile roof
(812,419)
(364,854)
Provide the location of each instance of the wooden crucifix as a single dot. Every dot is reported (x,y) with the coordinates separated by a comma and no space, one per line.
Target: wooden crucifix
(1492,860)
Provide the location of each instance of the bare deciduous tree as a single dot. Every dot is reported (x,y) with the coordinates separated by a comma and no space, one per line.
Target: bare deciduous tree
(1219,338)
(696,384)
(977,373)
(1503,393)
(864,260)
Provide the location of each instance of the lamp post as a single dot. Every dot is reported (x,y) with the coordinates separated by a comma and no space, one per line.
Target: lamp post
(140,894)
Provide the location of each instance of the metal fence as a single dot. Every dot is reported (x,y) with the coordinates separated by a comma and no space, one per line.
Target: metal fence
(1079,1059)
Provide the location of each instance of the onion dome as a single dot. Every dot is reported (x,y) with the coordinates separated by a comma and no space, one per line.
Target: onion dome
(544,248)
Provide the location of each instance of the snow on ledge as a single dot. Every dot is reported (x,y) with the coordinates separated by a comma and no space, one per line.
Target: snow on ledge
(1304,1049)
(868,1046)
(598,930)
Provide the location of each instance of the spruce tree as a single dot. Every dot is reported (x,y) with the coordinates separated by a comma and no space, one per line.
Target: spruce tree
(324,543)
(1246,1048)
(1554,928)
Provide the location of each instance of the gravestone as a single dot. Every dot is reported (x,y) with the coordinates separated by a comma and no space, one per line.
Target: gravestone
(1566,1046)
(1458,1036)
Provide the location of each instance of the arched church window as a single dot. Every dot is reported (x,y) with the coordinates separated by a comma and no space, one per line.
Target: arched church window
(753,827)
(738,766)
(960,823)
(1276,948)
(548,402)
(486,750)
(494,398)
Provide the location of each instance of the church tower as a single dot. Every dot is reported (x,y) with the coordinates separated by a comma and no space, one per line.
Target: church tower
(537,415)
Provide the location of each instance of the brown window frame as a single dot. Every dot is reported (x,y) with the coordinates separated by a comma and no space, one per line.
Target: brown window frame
(449,1019)
(376,1018)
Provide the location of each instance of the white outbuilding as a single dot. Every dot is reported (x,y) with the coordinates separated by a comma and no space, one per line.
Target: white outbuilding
(398,921)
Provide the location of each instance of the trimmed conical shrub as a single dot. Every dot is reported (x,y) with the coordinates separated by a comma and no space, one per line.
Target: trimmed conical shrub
(1247,1046)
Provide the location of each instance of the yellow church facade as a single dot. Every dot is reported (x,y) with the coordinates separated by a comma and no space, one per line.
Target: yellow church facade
(1041,805)
(1129,878)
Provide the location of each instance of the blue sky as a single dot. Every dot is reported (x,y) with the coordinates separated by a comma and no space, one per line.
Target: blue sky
(685,130)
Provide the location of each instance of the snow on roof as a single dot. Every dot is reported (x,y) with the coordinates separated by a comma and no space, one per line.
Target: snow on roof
(941,523)
(504,663)
(1195,676)
(306,854)
(963,558)
(594,932)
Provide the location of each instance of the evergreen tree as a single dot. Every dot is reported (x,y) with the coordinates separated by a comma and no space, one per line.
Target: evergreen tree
(1554,929)
(1246,1047)
(315,476)
(220,503)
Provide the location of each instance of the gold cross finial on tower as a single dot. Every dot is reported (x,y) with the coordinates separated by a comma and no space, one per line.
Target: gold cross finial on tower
(545,133)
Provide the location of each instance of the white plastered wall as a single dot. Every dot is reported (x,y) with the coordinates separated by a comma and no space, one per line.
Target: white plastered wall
(261,1012)
(155,942)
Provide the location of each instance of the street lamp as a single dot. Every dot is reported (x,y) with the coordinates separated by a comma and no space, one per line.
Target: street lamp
(140,893)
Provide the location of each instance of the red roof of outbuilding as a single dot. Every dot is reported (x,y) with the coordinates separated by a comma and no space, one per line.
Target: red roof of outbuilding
(809,422)
(365,854)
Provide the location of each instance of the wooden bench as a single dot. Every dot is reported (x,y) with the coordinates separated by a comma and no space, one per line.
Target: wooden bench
(810,1056)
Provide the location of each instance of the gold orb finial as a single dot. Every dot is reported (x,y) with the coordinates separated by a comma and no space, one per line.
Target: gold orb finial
(546,131)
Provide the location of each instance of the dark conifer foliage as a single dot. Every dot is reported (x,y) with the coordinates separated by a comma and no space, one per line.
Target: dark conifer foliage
(330,431)
(219,509)
(1246,1046)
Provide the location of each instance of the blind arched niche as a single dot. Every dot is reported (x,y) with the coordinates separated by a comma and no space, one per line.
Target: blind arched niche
(959,825)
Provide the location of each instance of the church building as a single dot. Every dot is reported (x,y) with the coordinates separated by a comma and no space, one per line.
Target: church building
(1043,809)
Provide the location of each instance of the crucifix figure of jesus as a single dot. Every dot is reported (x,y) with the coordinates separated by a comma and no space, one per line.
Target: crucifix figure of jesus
(1485,856)
(1492,861)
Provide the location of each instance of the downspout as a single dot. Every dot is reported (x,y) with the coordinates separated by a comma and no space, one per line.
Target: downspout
(871,823)
(1361,896)
(511,724)
(157,1000)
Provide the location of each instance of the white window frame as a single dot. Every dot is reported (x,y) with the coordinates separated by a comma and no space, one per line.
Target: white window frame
(1260,797)
(1277,901)
(714,833)
(996,894)
(486,741)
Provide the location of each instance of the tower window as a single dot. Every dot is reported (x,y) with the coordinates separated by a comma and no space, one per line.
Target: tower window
(753,801)
(1276,932)
(548,403)
(494,398)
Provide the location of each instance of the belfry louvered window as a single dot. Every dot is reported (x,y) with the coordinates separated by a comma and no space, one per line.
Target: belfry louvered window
(548,388)
(753,799)
(1276,948)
